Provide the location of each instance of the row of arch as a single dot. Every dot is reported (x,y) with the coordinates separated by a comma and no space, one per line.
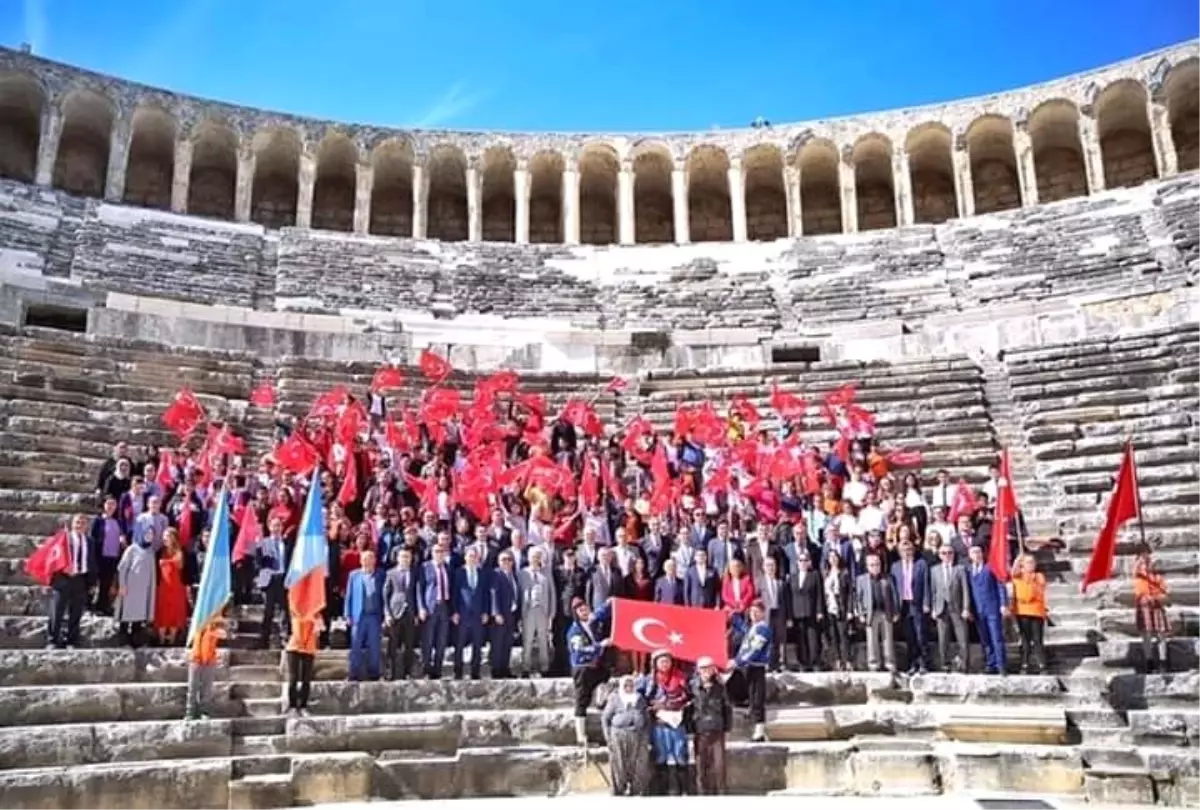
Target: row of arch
(84,151)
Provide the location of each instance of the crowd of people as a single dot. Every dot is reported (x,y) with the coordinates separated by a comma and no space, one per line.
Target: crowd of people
(489,530)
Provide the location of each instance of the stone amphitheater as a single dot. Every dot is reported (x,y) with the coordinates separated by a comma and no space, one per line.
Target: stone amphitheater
(1016,270)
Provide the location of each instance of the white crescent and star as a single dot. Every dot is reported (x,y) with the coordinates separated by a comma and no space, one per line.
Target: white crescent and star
(642,625)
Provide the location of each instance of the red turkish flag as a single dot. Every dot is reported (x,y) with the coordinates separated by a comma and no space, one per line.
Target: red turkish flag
(249,533)
(263,396)
(616,385)
(184,413)
(48,559)
(687,633)
(1124,505)
(387,378)
(963,502)
(433,367)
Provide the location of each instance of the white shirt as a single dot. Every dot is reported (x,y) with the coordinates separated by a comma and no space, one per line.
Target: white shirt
(940,495)
(870,518)
(855,492)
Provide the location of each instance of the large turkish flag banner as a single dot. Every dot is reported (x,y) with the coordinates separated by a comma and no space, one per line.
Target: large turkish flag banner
(685,632)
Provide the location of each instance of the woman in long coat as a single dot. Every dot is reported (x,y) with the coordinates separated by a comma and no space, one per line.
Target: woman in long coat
(137,574)
(626,723)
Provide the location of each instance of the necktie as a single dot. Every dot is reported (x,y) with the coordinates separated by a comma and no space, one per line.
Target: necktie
(441,582)
(79,556)
(471,578)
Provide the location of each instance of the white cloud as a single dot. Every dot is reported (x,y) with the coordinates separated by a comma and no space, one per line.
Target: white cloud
(36,26)
(456,101)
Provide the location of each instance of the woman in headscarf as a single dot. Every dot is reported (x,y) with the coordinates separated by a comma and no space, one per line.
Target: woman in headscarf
(626,720)
(669,695)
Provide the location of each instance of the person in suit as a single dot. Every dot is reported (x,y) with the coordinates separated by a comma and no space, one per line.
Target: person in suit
(910,578)
(570,583)
(950,601)
(270,559)
(838,583)
(701,583)
(472,595)
(364,612)
(400,599)
(435,607)
(989,599)
(876,605)
(487,551)
(538,607)
(498,533)
(606,581)
(724,549)
(69,587)
(806,598)
(505,602)
(762,548)
(668,589)
(773,592)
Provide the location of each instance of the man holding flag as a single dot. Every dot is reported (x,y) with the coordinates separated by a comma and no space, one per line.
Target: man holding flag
(208,624)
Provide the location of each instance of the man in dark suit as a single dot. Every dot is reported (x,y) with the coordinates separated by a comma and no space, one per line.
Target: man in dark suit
(69,587)
(774,593)
(400,600)
(760,548)
(723,549)
(988,598)
(570,583)
(485,550)
(435,609)
(364,610)
(910,578)
(505,603)
(270,558)
(668,589)
(606,581)
(875,605)
(498,534)
(806,600)
(471,602)
(701,583)
(950,602)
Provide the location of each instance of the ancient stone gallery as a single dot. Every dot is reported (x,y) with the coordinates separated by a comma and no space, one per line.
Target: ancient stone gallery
(340,463)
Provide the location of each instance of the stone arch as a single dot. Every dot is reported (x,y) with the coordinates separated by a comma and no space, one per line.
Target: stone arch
(1057,153)
(150,170)
(653,197)
(1126,150)
(993,164)
(1181,90)
(335,184)
(874,184)
(766,197)
(392,192)
(931,172)
(81,166)
(598,170)
(22,101)
(498,200)
(274,194)
(212,186)
(820,187)
(447,205)
(545,198)
(710,213)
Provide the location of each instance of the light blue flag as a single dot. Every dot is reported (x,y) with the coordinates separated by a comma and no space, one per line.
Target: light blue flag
(215,586)
(305,578)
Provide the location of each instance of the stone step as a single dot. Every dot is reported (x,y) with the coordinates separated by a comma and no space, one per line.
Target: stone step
(256,791)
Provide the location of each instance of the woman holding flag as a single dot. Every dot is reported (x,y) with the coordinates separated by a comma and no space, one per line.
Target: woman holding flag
(208,626)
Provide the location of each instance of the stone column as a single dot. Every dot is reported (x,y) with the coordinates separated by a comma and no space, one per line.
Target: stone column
(679,206)
(244,195)
(306,181)
(1089,143)
(1026,170)
(118,158)
(474,201)
(1165,159)
(521,190)
(364,185)
(737,199)
(420,208)
(181,176)
(570,203)
(791,193)
(849,191)
(964,188)
(51,132)
(902,188)
(625,212)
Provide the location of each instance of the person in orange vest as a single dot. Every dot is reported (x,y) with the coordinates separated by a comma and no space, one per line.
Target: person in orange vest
(1150,594)
(1028,605)
(301,657)
(202,669)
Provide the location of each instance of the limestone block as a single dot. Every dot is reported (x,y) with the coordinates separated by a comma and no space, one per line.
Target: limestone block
(138,786)
(821,768)
(1026,768)
(427,731)
(332,777)
(268,790)
(1038,725)
(894,773)
(1180,791)
(969,688)
(1165,726)
(99,666)
(755,768)
(1118,787)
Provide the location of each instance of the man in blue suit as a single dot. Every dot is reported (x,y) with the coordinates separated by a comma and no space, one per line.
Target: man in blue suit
(910,578)
(505,601)
(990,599)
(668,589)
(364,613)
(471,602)
(435,607)
(701,583)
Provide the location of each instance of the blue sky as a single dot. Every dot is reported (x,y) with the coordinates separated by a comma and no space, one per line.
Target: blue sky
(615,65)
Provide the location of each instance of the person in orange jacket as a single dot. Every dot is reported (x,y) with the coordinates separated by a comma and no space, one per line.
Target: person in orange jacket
(1150,594)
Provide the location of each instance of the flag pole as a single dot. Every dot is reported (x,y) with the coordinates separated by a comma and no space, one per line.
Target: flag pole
(1137,491)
